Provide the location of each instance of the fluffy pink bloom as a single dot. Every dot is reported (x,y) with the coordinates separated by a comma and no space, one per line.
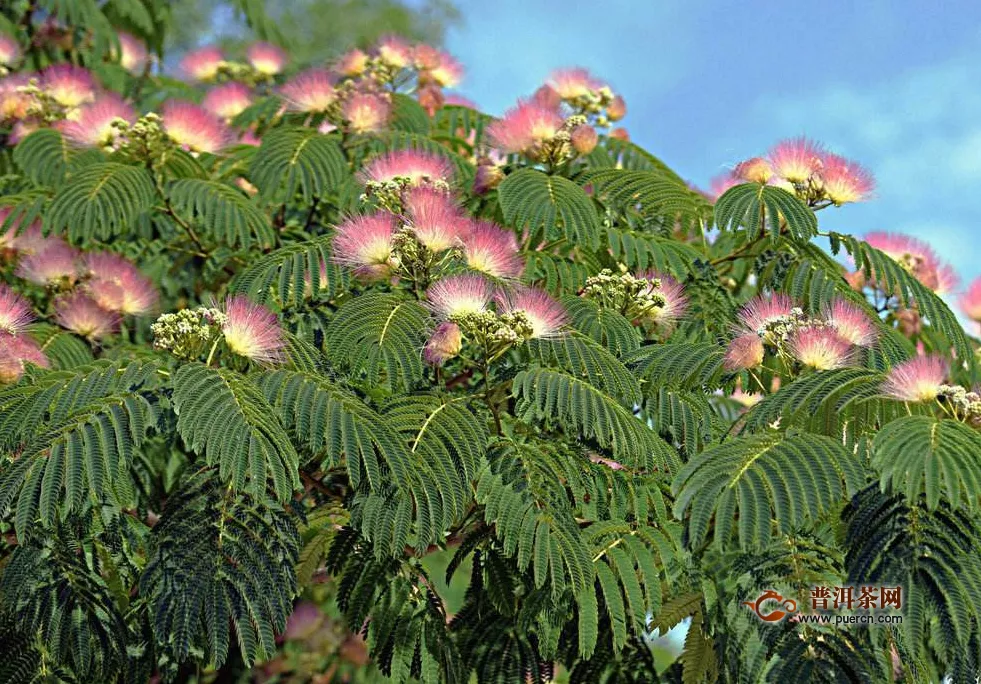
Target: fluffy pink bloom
(15,312)
(9,51)
(15,352)
(425,56)
(253,331)
(132,53)
(845,181)
(228,100)
(547,316)
(617,109)
(447,73)
(418,167)
(721,183)
(69,85)
(918,379)
(56,264)
(970,301)
(435,218)
(394,52)
(202,64)
(546,98)
(744,352)
(796,160)
(310,91)
(364,243)
(445,343)
(755,170)
(266,58)
(13,102)
(573,83)
(916,257)
(851,323)
(92,126)
(83,316)
(459,295)
(352,63)
(676,303)
(118,285)
(366,112)
(458,100)
(194,128)
(524,128)
(584,139)
(821,348)
(304,621)
(31,240)
(22,129)
(763,309)
(490,249)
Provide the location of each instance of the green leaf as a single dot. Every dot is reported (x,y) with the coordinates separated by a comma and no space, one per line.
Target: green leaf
(550,206)
(292,160)
(292,273)
(227,216)
(44,156)
(758,207)
(651,193)
(408,115)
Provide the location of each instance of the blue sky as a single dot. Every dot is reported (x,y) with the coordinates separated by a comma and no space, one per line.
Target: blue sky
(894,84)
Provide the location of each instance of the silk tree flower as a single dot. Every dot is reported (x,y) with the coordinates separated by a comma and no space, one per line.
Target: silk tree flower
(764,309)
(253,331)
(194,128)
(56,264)
(31,240)
(524,128)
(435,218)
(820,348)
(970,301)
(492,250)
(266,58)
(14,103)
(10,52)
(721,183)
(917,258)
(546,98)
(366,112)
(675,300)
(754,170)
(132,53)
(459,295)
(917,380)
(310,91)
(93,125)
(364,244)
(851,323)
(425,56)
(69,85)
(447,73)
(202,64)
(444,344)
(744,352)
(227,100)
(574,83)
(15,312)
(584,139)
(546,315)
(617,109)
(352,63)
(15,352)
(845,181)
(796,160)
(117,285)
(417,167)
(82,315)
(394,52)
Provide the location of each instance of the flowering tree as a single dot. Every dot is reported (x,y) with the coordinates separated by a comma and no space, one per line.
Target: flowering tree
(273,340)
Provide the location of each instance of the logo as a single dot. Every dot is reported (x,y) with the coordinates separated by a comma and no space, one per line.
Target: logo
(775,615)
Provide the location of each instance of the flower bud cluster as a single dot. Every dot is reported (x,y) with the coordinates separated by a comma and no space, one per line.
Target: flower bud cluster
(187,333)
(635,298)
(966,405)
(390,193)
(495,332)
(145,140)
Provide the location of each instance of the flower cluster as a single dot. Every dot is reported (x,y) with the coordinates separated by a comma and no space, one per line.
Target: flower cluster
(187,333)
(209,64)
(17,348)
(776,325)
(648,298)
(915,256)
(803,167)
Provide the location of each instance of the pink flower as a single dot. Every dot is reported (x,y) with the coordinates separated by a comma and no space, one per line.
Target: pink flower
(916,380)
(744,352)
(425,56)
(366,112)
(352,63)
(118,285)
(253,331)
(458,100)
(31,240)
(796,160)
(69,85)
(970,301)
(616,109)
(394,52)
(228,100)
(364,243)
(92,126)
(851,323)
(194,128)
(202,64)
(917,258)
(490,249)
(573,83)
(524,128)
(821,348)
(763,309)
(132,53)
(310,91)
(546,98)
(755,170)
(547,316)
(676,303)
(15,352)
(82,315)
(418,167)
(584,139)
(304,621)
(266,58)
(9,51)
(459,295)
(719,184)
(15,312)
(435,218)
(14,103)
(444,344)
(845,181)
(54,265)
(447,73)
